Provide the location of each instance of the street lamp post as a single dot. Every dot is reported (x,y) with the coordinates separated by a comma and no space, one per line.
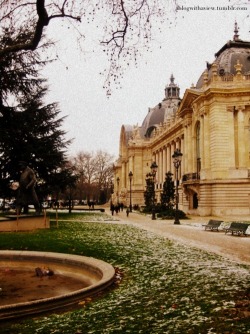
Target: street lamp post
(130,199)
(153,173)
(177,163)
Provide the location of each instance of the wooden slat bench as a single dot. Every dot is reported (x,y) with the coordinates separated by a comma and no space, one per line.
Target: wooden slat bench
(213,225)
(237,228)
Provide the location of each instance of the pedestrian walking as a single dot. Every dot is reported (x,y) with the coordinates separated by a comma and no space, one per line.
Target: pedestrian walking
(127,212)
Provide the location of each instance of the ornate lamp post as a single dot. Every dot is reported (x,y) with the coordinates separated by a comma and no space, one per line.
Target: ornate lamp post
(153,173)
(177,163)
(130,175)
(118,181)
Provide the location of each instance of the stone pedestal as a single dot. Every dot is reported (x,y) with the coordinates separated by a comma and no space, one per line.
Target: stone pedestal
(24,223)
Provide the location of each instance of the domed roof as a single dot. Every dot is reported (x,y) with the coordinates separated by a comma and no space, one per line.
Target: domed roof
(164,110)
(227,57)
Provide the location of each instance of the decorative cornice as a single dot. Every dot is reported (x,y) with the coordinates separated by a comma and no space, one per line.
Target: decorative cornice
(237,107)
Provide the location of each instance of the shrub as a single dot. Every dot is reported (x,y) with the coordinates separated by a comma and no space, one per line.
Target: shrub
(170,214)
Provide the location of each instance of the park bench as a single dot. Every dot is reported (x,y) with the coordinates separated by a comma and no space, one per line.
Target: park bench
(213,225)
(237,228)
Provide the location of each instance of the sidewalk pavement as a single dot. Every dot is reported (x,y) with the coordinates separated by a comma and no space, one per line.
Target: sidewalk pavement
(192,233)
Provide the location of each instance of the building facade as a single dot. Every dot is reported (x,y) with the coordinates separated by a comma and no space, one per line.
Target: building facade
(210,125)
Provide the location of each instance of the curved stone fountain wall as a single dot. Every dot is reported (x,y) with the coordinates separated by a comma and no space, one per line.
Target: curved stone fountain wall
(95,275)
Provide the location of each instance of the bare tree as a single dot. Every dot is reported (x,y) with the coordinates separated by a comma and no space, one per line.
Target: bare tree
(126,25)
(95,171)
(85,169)
(103,162)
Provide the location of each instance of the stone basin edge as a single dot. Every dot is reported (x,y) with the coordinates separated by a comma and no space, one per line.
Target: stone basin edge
(104,272)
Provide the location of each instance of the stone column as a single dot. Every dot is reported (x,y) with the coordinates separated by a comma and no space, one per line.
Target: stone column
(171,160)
(206,142)
(157,160)
(159,167)
(241,140)
(164,163)
(231,138)
(185,152)
(168,158)
(202,155)
(189,162)
(183,156)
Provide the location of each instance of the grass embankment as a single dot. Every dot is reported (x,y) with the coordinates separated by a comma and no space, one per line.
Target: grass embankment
(166,288)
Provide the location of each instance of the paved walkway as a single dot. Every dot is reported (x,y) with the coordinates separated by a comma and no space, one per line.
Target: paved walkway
(192,233)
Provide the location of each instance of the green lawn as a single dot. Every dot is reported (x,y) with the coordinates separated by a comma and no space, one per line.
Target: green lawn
(166,287)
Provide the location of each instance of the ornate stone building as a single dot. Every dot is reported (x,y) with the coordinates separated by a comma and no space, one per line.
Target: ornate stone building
(211,127)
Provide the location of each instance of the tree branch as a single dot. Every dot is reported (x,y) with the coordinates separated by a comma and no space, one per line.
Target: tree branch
(118,37)
(42,22)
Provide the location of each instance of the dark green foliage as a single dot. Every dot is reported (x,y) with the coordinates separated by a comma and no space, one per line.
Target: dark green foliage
(149,194)
(170,214)
(29,129)
(165,209)
(34,135)
(19,72)
(168,192)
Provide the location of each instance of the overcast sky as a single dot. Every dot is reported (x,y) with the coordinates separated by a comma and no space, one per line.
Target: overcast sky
(93,119)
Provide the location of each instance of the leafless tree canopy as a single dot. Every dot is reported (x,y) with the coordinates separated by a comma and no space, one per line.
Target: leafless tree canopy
(126,25)
(95,172)
(123,17)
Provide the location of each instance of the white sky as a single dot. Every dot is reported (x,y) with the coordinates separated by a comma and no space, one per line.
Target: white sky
(93,120)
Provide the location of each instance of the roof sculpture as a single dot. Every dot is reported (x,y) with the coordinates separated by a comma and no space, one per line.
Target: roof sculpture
(228,56)
(162,112)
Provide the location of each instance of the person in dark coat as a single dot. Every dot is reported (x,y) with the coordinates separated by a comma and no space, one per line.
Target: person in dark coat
(112,208)
(26,192)
(127,212)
